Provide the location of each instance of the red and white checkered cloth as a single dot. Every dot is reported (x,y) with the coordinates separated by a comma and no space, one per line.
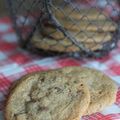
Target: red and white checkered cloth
(15,62)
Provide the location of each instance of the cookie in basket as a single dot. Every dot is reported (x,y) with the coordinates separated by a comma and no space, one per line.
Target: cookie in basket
(64,46)
(82,36)
(92,33)
(77,14)
(86,25)
(47,95)
(102,89)
(84,19)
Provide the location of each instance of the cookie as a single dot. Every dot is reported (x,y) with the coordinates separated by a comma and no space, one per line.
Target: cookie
(83,36)
(74,18)
(64,45)
(102,89)
(47,95)
(86,25)
(89,46)
(77,14)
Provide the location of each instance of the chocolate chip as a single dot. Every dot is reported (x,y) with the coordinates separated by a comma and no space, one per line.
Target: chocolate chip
(79,91)
(42,80)
(67,83)
(43,108)
(69,91)
(90,102)
(75,81)
(81,85)
(58,89)
(48,93)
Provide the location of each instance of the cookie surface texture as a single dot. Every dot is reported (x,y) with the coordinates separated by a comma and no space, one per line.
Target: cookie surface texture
(102,88)
(49,95)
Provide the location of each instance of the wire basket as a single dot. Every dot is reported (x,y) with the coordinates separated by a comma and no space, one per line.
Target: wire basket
(88,28)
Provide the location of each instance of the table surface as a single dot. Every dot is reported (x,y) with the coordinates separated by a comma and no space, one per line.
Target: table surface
(15,62)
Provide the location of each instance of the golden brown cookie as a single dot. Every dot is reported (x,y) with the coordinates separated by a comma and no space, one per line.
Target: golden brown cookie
(64,45)
(102,89)
(74,18)
(83,36)
(49,95)
(77,14)
(92,33)
(85,25)
(92,47)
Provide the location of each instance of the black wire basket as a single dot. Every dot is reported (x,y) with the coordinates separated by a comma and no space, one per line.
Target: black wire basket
(88,28)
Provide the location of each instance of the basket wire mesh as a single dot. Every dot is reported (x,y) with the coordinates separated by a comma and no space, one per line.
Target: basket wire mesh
(86,28)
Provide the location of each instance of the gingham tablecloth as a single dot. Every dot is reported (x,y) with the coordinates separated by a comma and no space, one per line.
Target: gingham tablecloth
(15,62)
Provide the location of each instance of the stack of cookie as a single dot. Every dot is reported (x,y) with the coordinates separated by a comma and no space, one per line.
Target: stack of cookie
(62,94)
(89,27)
